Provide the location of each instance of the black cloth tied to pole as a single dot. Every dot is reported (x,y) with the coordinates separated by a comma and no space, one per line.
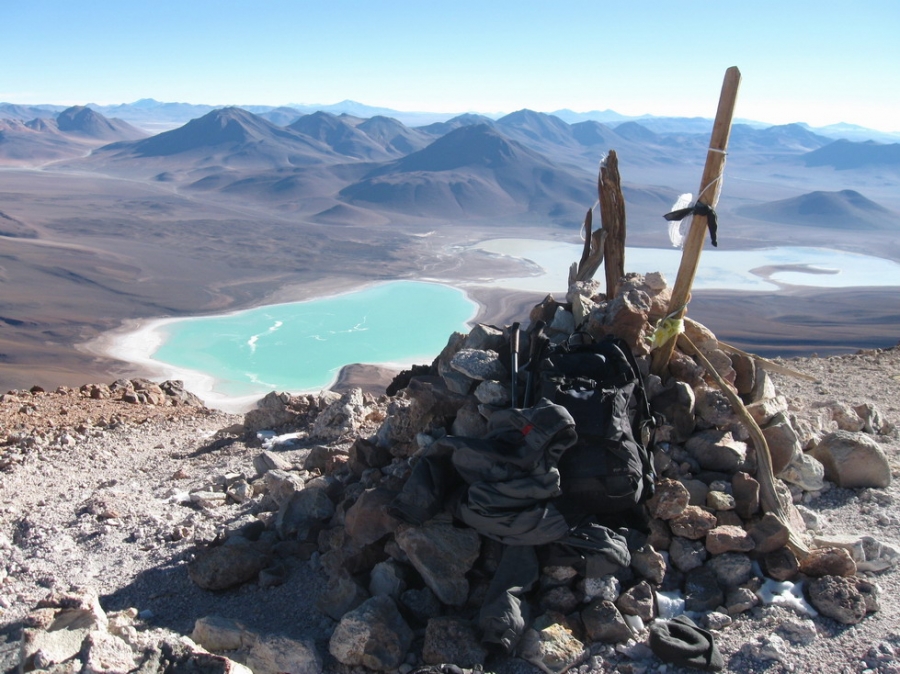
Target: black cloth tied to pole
(698,209)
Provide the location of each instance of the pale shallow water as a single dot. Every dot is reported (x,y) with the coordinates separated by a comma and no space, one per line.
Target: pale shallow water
(719,269)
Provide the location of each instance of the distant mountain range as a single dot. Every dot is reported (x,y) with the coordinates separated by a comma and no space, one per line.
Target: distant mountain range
(326,166)
(154,116)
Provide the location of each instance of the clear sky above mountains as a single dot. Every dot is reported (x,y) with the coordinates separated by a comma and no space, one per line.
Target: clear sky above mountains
(816,62)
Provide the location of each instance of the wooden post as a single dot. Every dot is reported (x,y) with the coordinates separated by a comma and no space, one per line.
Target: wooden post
(710,187)
(612,215)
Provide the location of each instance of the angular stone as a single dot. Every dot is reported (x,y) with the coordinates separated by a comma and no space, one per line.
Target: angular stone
(603,622)
(607,587)
(873,419)
(669,500)
(769,534)
(718,500)
(442,554)
(367,520)
(228,565)
(274,654)
(469,422)
(744,373)
(676,404)
(553,650)
(626,317)
(421,603)
(559,600)
(660,536)
(728,539)
(217,633)
(805,472)
(373,635)
(746,494)
(838,598)
(728,518)
(717,450)
(452,639)
(739,600)
(303,513)
(649,564)
(800,632)
(846,417)
(485,337)
(701,590)
(638,600)
(686,554)
(693,523)
(491,392)
(765,410)
(269,460)
(782,441)
(781,564)
(281,484)
(853,460)
(731,569)
(828,562)
(388,578)
(713,409)
(698,490)
(342,594)
(479,365)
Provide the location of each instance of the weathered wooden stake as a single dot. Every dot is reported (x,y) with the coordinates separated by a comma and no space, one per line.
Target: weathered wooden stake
(612,215)
(710,187)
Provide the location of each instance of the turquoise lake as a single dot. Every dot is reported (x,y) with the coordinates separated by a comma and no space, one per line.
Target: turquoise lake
(301,346)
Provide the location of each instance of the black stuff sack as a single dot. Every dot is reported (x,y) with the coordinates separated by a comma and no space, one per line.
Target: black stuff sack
(609,470)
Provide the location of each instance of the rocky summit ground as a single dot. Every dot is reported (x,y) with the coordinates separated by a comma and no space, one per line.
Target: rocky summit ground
(112,489)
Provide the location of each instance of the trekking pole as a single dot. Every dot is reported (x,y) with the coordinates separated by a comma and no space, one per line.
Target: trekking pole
(514,356)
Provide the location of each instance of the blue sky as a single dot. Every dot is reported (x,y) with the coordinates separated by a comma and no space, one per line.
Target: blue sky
(819,62)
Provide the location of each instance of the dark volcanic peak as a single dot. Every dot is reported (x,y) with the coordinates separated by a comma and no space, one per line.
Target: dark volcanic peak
(467,119)
(337,134)
(468,146)
(225,129)
(83,121)
(537,126)
(845,154)
(393,135)
(792,138)
(846,209)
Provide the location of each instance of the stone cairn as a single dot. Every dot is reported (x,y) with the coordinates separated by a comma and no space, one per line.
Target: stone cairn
(402,596)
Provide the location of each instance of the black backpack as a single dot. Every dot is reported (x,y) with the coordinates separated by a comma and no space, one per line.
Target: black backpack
(609,470)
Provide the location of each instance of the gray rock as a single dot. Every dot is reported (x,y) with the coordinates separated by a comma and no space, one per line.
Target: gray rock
(273,654)
(553,650)
(769,534)
(485,337)
(228,565)
(746,494)
(873,419)
(686,554)
(782,441)
(305,510)
(606,587)
(799,631)
(669,500)
(805,472)
(373,635)
(469,422)
(638,600)
(717,450)
(342,594)
(845,417)
(763,411)
(853,460)
(104,653)
(342,417)
(718,500)
(422,603)
(838,598)
(712,408)
(479,365)
(269,460)
(728,539)
(603,622)
(442,554)
(452,639)
(731,569)
(649,564)
(717,621)
(693,523)
(388,578)
(698,490)
(740,600)
(281,484)
(217,633)
(676,404)
(367,520)
(701,590)
(490,392)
